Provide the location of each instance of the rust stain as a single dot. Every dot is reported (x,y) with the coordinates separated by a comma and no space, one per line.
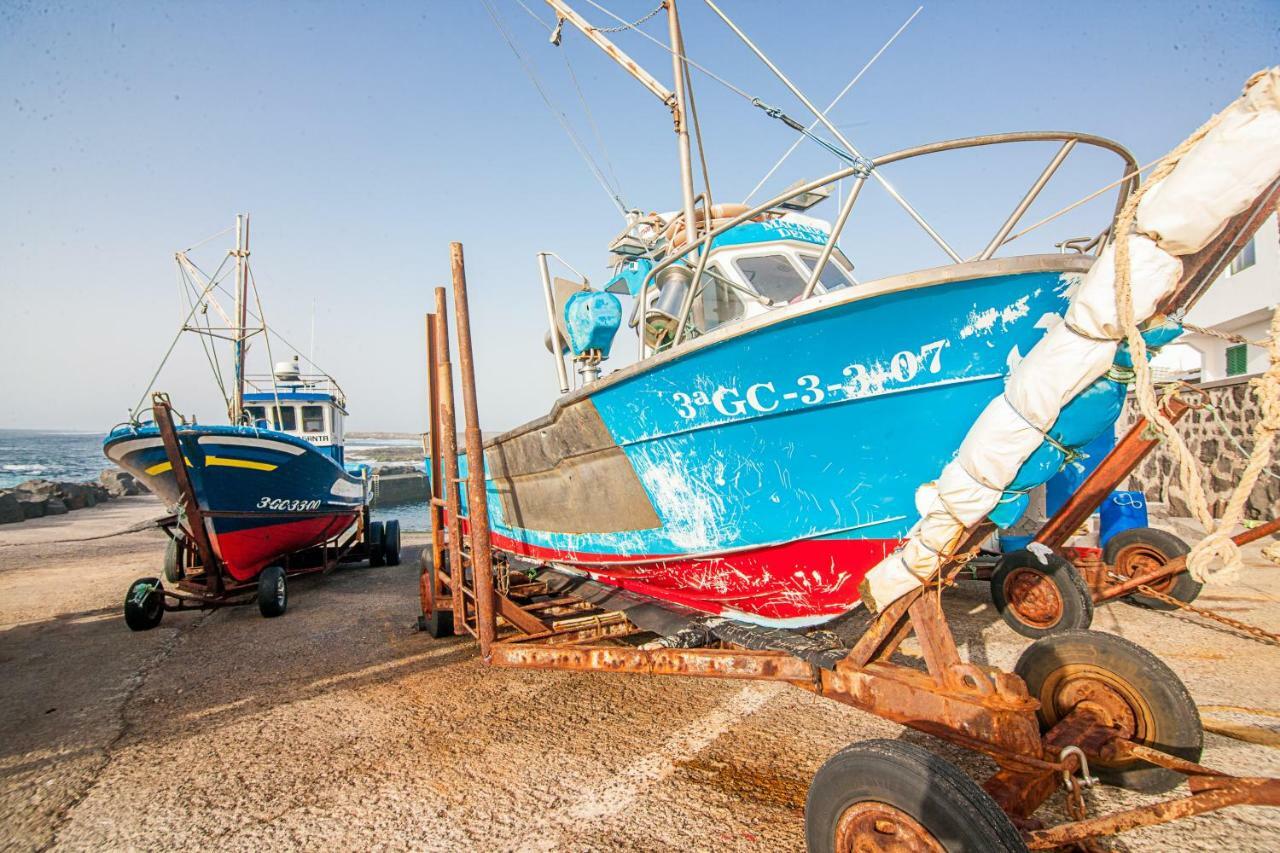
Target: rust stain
(750,783)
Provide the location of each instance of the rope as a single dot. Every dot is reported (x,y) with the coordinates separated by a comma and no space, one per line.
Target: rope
(1216,546)
(832,105)
(1226,336)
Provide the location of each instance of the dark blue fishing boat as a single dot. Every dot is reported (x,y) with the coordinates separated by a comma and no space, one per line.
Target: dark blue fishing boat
(262,497)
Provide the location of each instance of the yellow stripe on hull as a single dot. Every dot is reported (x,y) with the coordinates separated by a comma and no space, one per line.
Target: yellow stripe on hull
(161,467)
(227,462)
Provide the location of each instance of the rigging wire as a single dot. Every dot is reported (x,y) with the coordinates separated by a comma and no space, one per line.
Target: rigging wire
(595,129)
(834,101)
(860,163)
(560,116)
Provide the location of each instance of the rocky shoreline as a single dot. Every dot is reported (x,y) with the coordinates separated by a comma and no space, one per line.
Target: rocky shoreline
(39,498)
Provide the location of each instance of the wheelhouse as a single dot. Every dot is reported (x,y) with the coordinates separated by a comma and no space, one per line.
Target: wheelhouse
(315,416)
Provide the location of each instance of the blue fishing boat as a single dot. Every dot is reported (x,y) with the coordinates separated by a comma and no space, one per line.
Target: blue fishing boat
(266,495)
(766,448)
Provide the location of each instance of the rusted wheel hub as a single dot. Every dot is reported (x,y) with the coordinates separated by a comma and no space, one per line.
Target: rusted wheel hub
(870,826)
(1140,559)
(1034,598)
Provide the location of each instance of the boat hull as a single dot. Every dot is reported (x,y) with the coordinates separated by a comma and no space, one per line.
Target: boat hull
(762,473)
(264,494)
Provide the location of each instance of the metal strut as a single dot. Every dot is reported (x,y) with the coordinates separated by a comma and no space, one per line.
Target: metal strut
(162,412)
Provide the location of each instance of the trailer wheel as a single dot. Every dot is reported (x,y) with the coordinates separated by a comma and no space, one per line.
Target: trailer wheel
(174,570)
(374,542)
(1036,599)
(144,604)
(391,542)
(1141,695)
(1141,550)
(273,592)
(894,795)
(438,624)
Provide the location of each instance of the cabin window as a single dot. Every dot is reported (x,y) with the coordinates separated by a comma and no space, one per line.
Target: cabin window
(773,277)
(256,414)
(313,419)
(720,304)
(287,418)
(833,275)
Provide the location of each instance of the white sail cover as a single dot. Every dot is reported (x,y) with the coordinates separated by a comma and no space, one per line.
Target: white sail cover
(1217,179)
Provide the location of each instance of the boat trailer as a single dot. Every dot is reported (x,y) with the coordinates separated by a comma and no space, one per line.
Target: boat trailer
(190,552)
(1080,707)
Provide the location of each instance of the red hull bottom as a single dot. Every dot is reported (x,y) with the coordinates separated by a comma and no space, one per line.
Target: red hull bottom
(249,550)
(790,585)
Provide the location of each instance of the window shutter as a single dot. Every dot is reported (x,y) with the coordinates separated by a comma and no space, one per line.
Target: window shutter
(1237,359)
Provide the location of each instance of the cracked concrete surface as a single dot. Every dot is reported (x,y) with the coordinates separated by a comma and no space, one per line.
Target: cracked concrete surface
(339,726)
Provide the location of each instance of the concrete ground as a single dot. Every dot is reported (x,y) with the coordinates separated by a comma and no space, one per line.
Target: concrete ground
(339,726)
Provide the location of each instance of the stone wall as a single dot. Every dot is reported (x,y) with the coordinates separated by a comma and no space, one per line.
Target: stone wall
(1222,461)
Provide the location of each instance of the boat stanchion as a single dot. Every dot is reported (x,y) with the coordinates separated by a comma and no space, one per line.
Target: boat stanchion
(477,502)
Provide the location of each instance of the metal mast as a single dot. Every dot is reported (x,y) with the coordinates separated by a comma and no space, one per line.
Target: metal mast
(241,315)
(680,114)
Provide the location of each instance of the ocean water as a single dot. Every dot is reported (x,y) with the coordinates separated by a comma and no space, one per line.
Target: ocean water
(32,454)
(77,457)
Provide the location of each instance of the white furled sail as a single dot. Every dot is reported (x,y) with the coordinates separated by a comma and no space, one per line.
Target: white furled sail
(1180,214)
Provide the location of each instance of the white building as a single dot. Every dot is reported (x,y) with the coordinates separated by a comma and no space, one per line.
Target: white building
(1241,302)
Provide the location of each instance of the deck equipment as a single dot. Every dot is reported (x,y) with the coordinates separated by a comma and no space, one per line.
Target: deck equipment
(259,499)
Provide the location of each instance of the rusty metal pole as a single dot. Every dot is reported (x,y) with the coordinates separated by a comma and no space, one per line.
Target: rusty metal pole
(477,501)
(162,411)
(1115,466)
(428,581)
(449,460)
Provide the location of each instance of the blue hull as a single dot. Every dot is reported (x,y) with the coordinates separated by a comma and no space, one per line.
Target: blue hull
(268,494)
(775,465)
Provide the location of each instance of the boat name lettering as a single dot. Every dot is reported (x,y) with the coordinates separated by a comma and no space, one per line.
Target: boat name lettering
(860,380)
(287,505)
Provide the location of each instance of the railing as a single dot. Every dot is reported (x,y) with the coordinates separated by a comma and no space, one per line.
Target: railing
(1127,183)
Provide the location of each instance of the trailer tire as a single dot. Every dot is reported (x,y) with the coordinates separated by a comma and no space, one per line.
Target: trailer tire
(925,798)
(273,592)
(438,624)
(144,604)
(174,570)
(391,542)
(1036,599)
(374,542)
(1139,550)
(1144,696)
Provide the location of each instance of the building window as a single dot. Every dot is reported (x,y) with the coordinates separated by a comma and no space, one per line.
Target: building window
(1237,359)
(313,419)
(1248,257)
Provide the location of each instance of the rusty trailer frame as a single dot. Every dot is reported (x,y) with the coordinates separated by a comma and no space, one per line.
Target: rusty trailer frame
(520,621)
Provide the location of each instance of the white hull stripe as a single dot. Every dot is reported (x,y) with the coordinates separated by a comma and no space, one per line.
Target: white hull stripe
(123,449)
(346,489)
(261,443)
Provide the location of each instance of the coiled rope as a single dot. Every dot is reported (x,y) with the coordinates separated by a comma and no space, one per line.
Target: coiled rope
(1216,556)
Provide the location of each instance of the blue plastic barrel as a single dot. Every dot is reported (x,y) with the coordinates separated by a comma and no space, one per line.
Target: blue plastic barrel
(1013,543)
(1122,511)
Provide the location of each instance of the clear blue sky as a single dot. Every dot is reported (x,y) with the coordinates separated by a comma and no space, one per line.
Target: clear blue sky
(364,137)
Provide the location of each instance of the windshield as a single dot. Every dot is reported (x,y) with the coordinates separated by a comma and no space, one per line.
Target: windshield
(773,276)
(718,302)
(833,275)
